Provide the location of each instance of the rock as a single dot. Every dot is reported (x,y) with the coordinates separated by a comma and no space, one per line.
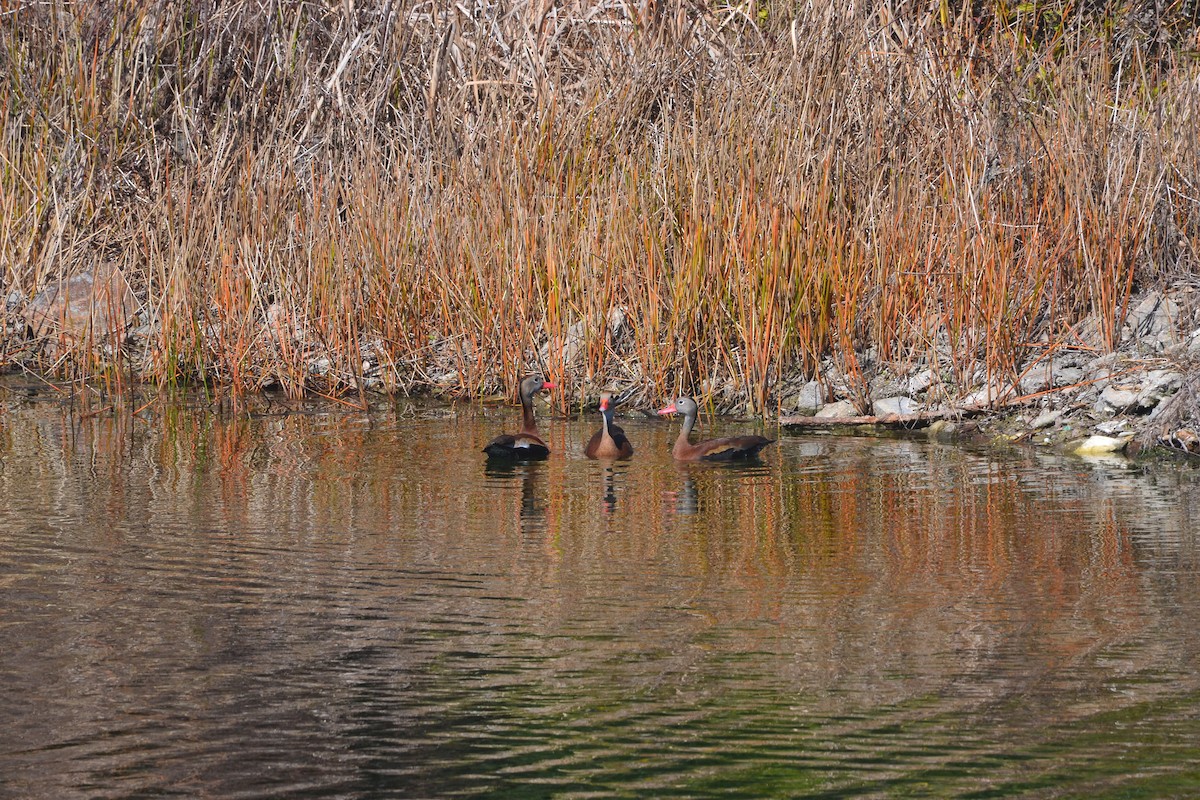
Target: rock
(1116,400)
(87,305)
(1113,426)
(574,342)
(885,385)
(1101,364)
(1152,322)
(1099,378)
(1067,376)
(1068,359)
(920,382)
(1046,419)
(1037,378)
(842,408)
(942,429)
(1067,369)
(1158,384)
(810,399)
(1097,445)
(894,405)
(1087,395)
(13,301)
(320,366)
(987,396)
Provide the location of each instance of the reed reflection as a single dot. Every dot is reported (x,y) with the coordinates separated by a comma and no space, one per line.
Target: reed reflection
(840,574)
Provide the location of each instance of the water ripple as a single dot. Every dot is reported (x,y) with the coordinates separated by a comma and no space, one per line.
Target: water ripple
(310,607)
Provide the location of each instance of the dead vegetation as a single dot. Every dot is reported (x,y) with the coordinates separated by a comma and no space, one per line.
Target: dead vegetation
(657,196)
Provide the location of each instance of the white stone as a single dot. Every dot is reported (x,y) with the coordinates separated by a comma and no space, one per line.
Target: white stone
(1067,376)
(810,398)
(842,408)
(88,304)
(1153,320)
(920,382)
(1046,419)
(1116,400)
(894,405)
(1159,384)
(1036,378)
(574,342)
(1096,445)
(986,396)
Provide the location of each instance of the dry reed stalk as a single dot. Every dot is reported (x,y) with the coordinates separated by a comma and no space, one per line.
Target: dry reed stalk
(416,196)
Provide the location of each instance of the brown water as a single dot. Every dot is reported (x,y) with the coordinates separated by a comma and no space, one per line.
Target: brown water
(331,604)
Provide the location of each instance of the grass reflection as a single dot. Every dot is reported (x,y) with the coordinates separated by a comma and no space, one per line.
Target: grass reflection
(850,617)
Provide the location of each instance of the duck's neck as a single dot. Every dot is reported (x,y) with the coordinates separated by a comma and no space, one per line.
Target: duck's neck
(605,422)
(528,423)
(682,443)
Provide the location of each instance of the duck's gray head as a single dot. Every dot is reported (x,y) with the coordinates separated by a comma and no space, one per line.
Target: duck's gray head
(534,384)
(682,405)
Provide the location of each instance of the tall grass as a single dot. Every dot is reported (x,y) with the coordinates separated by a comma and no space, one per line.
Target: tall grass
(668,196)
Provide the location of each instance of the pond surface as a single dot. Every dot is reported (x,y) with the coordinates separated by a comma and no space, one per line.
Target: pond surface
(335,604)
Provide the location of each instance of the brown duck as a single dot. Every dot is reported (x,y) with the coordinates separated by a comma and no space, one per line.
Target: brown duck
(609,441)
(729,448)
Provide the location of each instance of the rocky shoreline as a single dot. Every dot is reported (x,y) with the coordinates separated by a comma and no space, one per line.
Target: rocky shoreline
(1077,397)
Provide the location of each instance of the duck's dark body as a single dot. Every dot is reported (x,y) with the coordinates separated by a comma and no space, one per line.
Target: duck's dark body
(728,448)
(525,445)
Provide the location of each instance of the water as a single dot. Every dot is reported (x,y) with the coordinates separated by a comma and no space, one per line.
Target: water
(331,604)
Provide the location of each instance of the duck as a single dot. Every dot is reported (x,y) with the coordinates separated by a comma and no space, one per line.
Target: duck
(728,448)
(610,440)
(526,444)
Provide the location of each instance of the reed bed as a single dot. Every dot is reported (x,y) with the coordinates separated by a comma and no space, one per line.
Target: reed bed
(662,196)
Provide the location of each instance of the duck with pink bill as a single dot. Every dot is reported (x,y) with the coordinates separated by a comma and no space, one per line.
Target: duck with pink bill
(610,441)
(728,448)
(526,444)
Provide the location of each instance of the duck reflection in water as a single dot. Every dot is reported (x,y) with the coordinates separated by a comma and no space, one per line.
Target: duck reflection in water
(687,499)
(609,504)
(528,474)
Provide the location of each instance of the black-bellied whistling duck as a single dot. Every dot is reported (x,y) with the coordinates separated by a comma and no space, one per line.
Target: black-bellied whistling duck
(526,444)
(729,448)
(609,441)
